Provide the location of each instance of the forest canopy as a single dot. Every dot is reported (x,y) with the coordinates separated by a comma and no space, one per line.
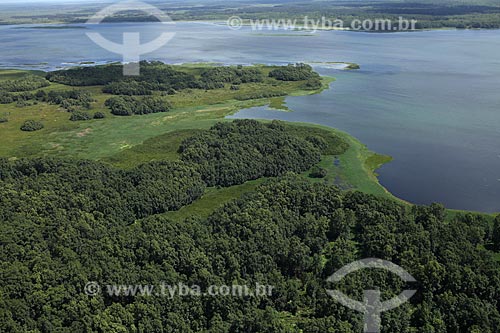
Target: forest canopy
(154,76)
(27,83)
(233,153)
(127,105)
(102,225)
(297,72)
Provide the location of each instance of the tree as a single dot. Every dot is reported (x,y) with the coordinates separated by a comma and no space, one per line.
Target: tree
(99,115)
(31,126)
(318,172)
(79,116)
(127,105)
(27,83)
(297,72)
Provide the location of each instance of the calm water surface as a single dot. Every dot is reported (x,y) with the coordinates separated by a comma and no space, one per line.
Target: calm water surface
(429,99)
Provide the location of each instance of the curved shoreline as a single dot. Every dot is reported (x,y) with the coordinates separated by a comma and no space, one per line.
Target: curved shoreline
(357,166)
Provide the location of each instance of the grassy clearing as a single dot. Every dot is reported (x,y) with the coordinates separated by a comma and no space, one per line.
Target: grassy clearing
(162,147)
(213,199)
(375,162)
(12,74)
(279,103)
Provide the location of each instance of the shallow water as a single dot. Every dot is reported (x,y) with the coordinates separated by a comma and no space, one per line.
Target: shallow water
(429,99)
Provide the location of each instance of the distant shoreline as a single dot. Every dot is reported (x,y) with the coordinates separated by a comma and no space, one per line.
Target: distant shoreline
(59,25)
(50,26)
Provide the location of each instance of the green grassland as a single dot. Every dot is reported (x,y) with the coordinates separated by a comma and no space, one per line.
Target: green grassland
(12,74)
(96,139)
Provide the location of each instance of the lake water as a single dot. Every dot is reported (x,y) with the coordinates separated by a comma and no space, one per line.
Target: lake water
(429,99)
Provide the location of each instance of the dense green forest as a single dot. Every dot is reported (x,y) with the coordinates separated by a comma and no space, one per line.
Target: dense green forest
(231,154)
(151,72)
(155,75)
(127,105)
(298,72)
(27,83)
(68,222)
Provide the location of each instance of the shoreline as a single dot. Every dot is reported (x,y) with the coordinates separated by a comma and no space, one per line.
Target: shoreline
(46,67)
(223,23)
(357,173)
(360,161)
